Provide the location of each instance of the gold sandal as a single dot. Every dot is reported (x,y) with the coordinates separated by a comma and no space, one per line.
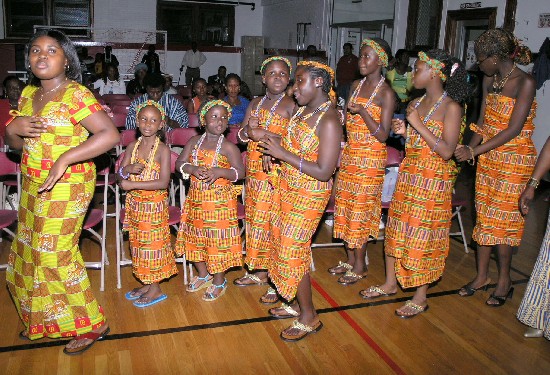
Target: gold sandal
(352,278)
(344,265)
(290,312)
(303,330)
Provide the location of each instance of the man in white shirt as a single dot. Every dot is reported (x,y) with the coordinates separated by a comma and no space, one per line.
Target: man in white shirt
(193,59)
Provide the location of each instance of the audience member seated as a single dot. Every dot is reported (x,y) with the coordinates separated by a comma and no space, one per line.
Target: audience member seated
(102,59)
(199,95)
(12,90)
(136,86)
(111,83)
(238,102)
(217,81)
(176,115)
(168,88)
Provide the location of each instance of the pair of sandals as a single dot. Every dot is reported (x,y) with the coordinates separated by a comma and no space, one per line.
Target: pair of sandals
(198,283)
(249,279)
(348,276)
(468,291)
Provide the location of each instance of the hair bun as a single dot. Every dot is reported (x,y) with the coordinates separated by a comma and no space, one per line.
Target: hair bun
(522,55)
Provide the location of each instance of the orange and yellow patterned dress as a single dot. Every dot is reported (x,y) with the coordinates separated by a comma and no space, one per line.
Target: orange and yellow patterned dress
(502,174)
(46,275)
(146,221)
(259,197)
(419,219)
(298,205)
(209,229)
(359,185)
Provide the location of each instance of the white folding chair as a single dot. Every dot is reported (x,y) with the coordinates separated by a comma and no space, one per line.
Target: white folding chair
(458,204)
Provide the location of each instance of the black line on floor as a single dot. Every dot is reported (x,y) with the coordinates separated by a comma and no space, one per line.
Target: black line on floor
(230,323)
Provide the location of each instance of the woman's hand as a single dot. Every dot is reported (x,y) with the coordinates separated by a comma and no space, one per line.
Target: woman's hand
(135,168)
(56,172)
(355,108)
(254,122)
(398,126)
(125,185)
(267,163)
(28,126)
(272,146)
(462,153)
(199,172)
(412,116)
(212,174)
(525,199)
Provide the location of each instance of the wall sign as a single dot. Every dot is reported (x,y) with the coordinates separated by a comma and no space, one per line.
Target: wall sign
(470,5)
(544,20)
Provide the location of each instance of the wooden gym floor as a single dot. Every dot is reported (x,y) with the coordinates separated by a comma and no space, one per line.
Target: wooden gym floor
(234,335)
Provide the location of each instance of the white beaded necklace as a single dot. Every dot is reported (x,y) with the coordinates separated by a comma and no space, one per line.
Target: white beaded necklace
(195,152)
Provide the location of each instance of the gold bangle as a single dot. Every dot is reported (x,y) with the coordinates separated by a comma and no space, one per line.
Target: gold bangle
(471,161)
(533,182)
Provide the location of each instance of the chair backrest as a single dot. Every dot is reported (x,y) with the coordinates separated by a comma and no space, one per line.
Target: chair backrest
(185,91)
(127,136)
(395,157)
(193,120)
(120,108)
(180,136)
(7,165)
(109,98)
(173,157)
(4,114)
(119,119)
(232,135)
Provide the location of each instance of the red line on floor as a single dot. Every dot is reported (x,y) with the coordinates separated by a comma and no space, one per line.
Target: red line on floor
(369,340)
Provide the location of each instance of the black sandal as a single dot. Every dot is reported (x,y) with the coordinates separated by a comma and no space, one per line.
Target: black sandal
(469,290)
(501,300)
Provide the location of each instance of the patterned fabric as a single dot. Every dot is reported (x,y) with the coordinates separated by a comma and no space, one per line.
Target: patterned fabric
(174,111)
(259,197)
(146,221)
(46,275)
(534,310)
(359,185)
(419,219)
(209,229)
(298,204)
(502,174)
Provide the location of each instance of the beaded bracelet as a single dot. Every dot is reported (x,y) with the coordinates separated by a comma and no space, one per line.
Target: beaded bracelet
(533,182)
(472,161)
(300,166)
(241,138)
(377,130)
(236,174)
(121,173)
(436,144)
(184,175)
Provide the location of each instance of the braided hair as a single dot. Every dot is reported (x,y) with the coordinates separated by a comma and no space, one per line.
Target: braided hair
(456,84)
(503,44)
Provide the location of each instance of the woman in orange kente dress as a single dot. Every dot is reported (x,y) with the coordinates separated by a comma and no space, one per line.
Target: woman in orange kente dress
(60,128)
(309,153)
(507,157)
(419,219)
(362,168)
(265,115)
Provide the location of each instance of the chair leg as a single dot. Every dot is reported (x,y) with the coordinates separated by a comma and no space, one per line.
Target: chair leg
(459,217)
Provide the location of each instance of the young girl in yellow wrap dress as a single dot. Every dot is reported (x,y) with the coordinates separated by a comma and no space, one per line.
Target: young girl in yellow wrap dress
(46,275)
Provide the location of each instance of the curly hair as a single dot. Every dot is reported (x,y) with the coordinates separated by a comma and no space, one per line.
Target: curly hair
(503,44)
(456,84)
(73,63)
(315,71)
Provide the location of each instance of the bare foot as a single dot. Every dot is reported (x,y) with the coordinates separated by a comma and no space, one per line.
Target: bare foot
(138,292)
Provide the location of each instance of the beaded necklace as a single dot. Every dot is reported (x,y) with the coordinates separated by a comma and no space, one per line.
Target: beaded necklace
(148,170)
(297,117)
(429,114)
(271,111)
(195,153)
(498,86)
(355,94)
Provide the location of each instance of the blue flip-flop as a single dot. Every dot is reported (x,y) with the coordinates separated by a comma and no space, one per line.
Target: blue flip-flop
(162,297)
(132,297)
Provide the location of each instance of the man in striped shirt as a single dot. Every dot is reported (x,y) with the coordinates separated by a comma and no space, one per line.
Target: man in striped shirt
(176,115)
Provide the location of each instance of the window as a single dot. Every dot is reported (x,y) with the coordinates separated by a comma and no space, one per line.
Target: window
(207,24)
(74,17)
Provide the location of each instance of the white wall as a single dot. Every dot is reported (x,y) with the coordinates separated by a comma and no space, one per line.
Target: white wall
(367,10)
(400,24)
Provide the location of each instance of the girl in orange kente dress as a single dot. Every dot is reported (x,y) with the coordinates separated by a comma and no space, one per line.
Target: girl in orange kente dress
(309,153)
(507,157)
(209,230)
(419,219)
(362,168)
(266,115)
(60,128)
(145,174)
